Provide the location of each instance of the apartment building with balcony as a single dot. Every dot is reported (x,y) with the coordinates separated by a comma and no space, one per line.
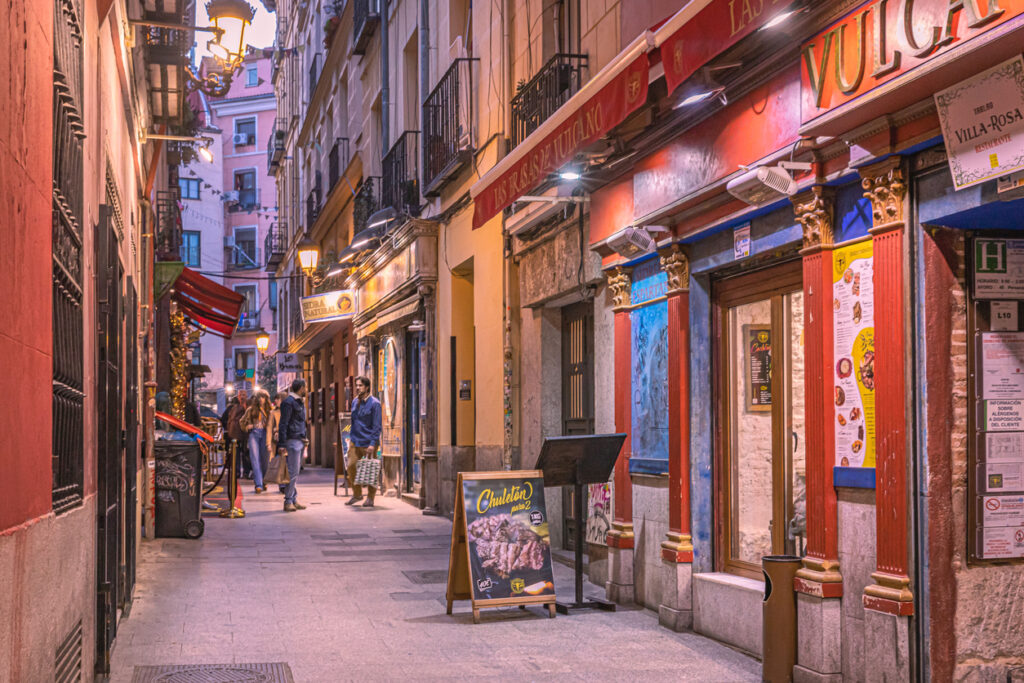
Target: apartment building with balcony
(246,118)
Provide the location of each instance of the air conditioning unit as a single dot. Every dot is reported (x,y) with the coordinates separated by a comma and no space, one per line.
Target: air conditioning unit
(630,242)
(766,184)
(229,241)
(230,196)
(241,139)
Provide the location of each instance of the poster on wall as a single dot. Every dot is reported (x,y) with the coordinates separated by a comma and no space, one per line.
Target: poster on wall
(982,122)
(854,360)
(758,348)
(599,513)
(1002,365)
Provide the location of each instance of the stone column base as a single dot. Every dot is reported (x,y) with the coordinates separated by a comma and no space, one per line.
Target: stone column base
(676,609)
(819,649)
(887,639)
(619,588)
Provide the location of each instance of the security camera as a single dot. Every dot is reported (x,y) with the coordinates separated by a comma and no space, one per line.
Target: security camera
(766,184)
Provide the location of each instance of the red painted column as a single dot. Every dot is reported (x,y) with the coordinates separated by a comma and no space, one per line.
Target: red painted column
(678,547)
(620,284)
(819,575)
(884,184)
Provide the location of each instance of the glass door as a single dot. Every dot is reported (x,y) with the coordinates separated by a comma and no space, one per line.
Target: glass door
(760,369)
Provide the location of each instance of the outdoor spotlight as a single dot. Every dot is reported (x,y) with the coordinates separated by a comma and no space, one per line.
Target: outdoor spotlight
(382,217)
(206,154)
(779,18)
(263,342)
(230,19)
(701,96)
(570,174)
(309,256)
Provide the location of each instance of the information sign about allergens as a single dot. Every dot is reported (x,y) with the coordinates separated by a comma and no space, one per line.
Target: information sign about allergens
(853,369)
(1002,415)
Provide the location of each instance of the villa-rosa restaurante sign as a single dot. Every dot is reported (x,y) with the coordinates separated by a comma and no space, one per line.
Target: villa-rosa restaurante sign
(882,40)
(983,124)
(328,306)
(606,109)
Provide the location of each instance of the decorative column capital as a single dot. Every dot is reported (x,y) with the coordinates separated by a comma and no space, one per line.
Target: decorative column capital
(885,185)
(814,210)
(677,267)
(620,282)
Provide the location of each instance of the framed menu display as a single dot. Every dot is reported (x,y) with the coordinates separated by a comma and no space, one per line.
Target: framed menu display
(996,362)
(853,363)
(758,356)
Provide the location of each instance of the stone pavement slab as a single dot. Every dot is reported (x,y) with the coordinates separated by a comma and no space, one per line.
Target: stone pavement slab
(342,593)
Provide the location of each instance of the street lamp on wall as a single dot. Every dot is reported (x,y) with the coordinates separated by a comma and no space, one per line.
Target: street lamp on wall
(230,19)
(263,342)
(309,256)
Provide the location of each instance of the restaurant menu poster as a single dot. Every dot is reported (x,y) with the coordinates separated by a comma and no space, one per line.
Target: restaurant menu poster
(854,360)
(758,339)
(506,537)
(1002,365)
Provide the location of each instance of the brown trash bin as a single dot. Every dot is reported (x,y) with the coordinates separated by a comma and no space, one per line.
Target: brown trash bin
(779,618)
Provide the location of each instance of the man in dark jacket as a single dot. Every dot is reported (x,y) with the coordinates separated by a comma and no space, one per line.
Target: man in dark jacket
(365,437)
(290,436)
(235,435)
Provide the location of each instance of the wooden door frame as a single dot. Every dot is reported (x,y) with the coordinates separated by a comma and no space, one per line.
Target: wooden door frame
(769,283)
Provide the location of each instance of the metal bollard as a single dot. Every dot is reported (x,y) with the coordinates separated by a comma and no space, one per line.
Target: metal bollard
(779,618)
(233,512)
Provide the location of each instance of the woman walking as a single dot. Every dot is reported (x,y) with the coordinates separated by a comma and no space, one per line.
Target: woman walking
(255,421)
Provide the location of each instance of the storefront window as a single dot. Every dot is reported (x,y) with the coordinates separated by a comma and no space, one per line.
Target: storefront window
(763,483)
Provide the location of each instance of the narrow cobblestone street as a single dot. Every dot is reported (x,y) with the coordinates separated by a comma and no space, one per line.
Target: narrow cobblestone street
(356,594)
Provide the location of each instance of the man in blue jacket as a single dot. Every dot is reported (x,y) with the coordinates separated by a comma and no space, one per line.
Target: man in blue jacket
(365,437)
(290,437)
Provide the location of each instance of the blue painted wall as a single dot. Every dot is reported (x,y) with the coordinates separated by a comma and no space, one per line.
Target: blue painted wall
(853,212)
(649,435)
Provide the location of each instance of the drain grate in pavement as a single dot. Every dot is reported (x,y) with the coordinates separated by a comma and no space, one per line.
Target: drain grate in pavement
(427,576)
(406,596)
(337,537)
(273,672)
(407,531)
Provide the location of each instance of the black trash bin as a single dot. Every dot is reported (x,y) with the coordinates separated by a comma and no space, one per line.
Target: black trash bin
(779,618)
(179,466)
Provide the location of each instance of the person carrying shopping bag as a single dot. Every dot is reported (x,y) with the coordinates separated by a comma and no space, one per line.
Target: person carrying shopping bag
(256,420)
(365,437)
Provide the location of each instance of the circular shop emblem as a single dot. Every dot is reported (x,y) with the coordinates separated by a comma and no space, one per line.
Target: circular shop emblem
(517,585)
(536,517)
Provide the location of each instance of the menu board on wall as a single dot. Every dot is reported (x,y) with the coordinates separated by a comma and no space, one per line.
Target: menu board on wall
(758,340)
(854,355)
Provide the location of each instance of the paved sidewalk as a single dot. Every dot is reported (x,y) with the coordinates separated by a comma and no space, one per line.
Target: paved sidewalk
(358,594)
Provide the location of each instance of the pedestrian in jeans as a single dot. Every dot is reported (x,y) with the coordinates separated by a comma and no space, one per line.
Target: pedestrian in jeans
(365,437)
(255,421)
(231,419)
(290,437)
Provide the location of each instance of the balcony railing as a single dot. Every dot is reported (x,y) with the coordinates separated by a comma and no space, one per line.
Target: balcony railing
(249,321)
(400,186)
(247,201)
(337,162)
(365,17)
(536,100)
(275,244)
(448,126)
(276,145)
(313,202)
(168,222)
(366,202)
(314,75)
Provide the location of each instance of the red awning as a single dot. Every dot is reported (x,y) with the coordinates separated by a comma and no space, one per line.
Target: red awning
(600,105)
(704,29)
(213,307)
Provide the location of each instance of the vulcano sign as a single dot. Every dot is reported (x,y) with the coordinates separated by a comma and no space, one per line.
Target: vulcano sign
(885,39)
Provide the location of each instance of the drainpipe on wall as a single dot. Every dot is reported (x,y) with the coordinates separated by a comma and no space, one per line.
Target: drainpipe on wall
(506,273)
(424,38)
(385,90)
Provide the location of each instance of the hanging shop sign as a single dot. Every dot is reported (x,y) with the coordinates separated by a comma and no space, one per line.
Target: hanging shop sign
(289,362)
(854,354)
(983,123)
(884,41)
(334,305)
(998,269)
(500,548)
(758,340)
(591,120)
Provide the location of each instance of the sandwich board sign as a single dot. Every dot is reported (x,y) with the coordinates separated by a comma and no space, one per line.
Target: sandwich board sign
(500,550)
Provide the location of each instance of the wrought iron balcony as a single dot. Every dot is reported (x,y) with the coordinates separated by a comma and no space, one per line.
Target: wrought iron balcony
(246,201)
(314,202)
(448,126)
(337,162)
(366,202)
(276,145)
(168,225)
(365,17)
(542,95)
(400,186)
(166,51)
(275,245)
(249,321)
